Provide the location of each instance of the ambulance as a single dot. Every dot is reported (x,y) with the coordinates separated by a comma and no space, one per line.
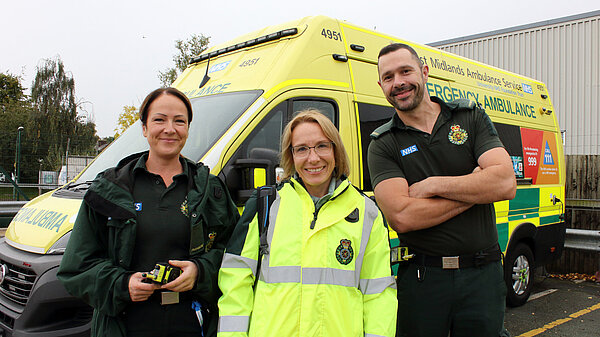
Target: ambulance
(243,93)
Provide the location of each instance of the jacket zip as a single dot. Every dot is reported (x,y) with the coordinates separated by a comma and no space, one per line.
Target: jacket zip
(316,212)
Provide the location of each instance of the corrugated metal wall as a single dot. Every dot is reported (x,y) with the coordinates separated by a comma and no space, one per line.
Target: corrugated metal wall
(563,53)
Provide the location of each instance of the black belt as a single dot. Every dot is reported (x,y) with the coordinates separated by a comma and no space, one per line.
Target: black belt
(478,259)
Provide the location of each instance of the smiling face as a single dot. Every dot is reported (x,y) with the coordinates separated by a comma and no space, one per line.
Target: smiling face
(166,127)
(314,169)
(402,79)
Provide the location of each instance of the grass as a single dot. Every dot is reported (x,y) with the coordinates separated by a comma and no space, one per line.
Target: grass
(6,193)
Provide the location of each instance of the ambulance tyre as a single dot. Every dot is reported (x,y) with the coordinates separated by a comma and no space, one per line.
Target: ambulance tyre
(518,274)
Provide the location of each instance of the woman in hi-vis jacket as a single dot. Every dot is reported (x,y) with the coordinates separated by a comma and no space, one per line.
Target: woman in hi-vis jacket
(326,267)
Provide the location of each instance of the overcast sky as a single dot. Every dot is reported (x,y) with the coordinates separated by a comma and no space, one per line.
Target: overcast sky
(115,49)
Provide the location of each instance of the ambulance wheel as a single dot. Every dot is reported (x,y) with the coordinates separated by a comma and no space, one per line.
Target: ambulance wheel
(518,275)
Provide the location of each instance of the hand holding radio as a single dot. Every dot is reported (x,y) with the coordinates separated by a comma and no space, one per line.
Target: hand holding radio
(140,290)
(163,273)
(187,279)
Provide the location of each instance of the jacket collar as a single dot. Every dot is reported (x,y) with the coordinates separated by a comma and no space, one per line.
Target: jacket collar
(111,192)
(341,186)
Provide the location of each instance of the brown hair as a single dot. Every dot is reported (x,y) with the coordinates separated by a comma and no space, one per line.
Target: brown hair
(163,91)
(342,164)
(392,47)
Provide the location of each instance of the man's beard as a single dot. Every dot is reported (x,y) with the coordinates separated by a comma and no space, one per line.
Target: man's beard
(412,103)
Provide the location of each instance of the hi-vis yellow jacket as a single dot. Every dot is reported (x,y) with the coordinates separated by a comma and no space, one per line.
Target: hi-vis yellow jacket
(327,272)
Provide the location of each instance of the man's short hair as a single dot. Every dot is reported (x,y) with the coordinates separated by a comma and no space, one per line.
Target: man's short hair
(396,46)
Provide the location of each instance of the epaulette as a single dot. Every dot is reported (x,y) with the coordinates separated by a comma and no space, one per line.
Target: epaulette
(382,129)
(463,104)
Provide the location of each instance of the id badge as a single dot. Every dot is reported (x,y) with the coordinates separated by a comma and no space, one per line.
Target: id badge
(169,297)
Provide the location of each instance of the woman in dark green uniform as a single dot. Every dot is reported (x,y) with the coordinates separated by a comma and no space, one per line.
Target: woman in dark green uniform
(155,206)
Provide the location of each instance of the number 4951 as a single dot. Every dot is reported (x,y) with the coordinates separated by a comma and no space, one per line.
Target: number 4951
(331,34)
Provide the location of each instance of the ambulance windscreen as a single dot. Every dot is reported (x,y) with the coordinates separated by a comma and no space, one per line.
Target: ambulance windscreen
(213,115)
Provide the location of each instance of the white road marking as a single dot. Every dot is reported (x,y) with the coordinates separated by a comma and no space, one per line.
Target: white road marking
(541,294)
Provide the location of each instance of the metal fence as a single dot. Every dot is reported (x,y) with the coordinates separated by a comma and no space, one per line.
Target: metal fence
(582,216)
(582,239)
(25,192)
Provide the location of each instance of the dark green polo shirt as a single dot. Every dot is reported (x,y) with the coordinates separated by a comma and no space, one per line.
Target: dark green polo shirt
(163,234)
(458,138)
(163,231)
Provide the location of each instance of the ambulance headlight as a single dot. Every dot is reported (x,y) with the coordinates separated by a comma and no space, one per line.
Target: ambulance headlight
(60,245)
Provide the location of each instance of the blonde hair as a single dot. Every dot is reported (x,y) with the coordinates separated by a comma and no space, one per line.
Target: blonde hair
(342,164)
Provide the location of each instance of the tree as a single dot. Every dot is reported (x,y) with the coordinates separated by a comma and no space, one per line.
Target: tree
(56,120)
(15,111)
(11,89)
(193,46)
(126,118)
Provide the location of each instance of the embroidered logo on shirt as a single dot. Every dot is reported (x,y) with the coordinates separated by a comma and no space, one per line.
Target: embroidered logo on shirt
(344,252)
(138,206)
(457,135)
(409,150)
(184,207)
(211,240)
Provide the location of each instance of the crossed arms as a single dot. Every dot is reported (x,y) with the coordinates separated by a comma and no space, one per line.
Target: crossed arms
(434,200)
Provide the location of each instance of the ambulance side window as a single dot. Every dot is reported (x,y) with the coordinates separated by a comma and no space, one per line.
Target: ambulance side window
(327,108)
(371,117)
(510,135)
(269,132)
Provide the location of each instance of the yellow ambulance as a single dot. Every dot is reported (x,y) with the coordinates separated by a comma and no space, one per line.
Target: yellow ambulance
(243,92)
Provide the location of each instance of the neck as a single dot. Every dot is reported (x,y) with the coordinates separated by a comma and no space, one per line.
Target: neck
(318,191)
(164,167)
(422,117)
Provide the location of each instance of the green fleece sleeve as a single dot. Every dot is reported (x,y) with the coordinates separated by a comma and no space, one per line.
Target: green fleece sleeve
(86,270)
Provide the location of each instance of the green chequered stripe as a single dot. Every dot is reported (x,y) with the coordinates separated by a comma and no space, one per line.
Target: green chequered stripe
(502,235)
(526,200)
(395,242)
(545,220)
(524,216)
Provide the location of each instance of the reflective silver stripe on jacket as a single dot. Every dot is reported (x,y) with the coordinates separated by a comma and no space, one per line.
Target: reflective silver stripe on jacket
(338,277)
(233,323)
(237,261)
(371,212)
(266,272)
(376,286)
(372,335)
(329,276)
(279,274)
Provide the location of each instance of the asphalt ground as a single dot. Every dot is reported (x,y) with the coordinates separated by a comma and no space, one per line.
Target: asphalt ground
(557,308)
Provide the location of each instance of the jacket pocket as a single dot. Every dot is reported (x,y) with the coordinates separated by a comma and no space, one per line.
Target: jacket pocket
(120,243)
(197,233)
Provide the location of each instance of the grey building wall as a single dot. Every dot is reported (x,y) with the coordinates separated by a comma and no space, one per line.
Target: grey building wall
(563,53)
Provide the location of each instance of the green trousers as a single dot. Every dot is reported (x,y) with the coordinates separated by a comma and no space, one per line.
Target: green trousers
(467,302)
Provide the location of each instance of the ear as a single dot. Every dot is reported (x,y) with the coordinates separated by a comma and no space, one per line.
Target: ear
(425,72)
(145,130)
(379,82)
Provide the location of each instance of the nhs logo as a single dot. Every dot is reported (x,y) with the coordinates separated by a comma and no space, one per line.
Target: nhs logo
(527,88)
(409,150)
(548,160)
(218,67)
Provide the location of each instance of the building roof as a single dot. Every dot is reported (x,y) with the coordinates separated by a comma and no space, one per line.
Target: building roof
(516,28)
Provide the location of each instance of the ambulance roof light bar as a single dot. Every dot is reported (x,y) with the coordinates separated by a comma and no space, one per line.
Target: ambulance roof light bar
(259,40)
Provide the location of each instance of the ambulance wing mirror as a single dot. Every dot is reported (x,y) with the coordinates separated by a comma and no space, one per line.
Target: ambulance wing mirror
(250,173)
